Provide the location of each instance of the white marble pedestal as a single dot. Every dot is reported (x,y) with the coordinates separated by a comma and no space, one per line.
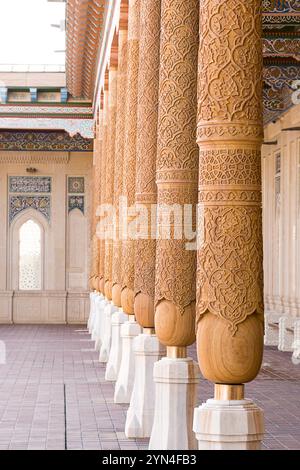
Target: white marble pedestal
(124,384)
(100,303)
(296,344)
(115,354)
(229,425)
(95,327)
(91,319)
(106,331)
(140,415)
(175,395)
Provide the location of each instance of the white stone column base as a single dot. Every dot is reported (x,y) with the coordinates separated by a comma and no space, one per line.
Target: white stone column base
(140,415)
(106,332)
(229,425)
(95,321)
(175,397)
(115,354)
(124,384)
(100,304)
(91,319)
(286,333)
(271,337)
(91,313)
(296,344)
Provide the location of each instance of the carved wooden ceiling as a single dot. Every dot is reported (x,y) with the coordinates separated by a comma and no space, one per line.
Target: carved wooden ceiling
(85,22)
(281,48)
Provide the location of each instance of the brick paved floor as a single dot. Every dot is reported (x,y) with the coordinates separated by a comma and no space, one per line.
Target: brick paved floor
(53,394)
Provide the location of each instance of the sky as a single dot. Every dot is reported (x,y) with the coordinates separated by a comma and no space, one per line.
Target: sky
(26,35)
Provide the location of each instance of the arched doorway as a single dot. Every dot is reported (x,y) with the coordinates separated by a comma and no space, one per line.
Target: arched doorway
(30,256)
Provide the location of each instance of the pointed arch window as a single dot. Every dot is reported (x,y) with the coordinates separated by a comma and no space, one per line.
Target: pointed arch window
(30,256)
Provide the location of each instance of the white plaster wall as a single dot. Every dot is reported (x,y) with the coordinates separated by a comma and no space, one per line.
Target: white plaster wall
(64,297)
(282,266)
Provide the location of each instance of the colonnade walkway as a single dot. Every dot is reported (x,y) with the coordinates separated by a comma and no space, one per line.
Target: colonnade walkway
(53,394)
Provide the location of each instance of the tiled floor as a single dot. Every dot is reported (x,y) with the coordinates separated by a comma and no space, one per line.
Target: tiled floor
(53,394)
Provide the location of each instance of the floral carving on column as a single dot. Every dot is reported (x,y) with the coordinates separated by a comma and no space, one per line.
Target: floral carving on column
(96,198)
(109,173)
(146,190)
(131,139)
(103,182)
(177,159)
(119,149)
(229,274)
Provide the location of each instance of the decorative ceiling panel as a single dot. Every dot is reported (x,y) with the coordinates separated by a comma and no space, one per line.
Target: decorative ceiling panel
(43,141)
(281,47)
(85,21)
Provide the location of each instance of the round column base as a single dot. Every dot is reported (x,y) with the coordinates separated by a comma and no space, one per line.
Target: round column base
(229,425)
(96,308)
(91,320)
(100,303)
(106,331)
(176,382)
(115,354)
(140,415)
(124,384)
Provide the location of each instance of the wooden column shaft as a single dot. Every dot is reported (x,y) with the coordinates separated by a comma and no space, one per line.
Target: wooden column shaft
(127,295)
(103,186)
(146,190)
(229,277)
(177,169)
(109,176)
(119,158)
(96,198)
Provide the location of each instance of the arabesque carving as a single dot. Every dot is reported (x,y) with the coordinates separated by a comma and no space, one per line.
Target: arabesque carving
(177,168)
(109,173)
(229,268)
(119,150)
(129,173)
(103,182)
(146,190)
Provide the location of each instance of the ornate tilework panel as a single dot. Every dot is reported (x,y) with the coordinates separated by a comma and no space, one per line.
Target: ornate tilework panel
(29,184)
(76,184)
(280,6)
(279,76)
(18,204)
(84,127)
(43,141)
(73,111)
(76,202)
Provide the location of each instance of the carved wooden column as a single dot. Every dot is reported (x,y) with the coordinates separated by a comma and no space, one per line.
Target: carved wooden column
(94,278)
(100,334)
(97,156)
(127,296)
(108,200)
(146,346)
(119,161)
(109,175)
(118,318)
(95,244)
(229,276)
(93,265)
(130,329)
(99,298)
(103,186)
(93,250)
(176,175)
